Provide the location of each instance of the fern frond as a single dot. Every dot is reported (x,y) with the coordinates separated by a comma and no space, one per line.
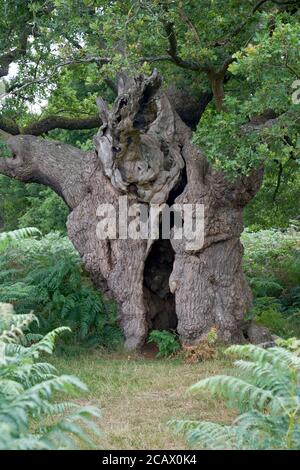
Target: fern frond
(208,435)
(279,357)
(47,343)
(264,376)
(240,390)
(31,374)
(268,388)
(27,389)
(19,234)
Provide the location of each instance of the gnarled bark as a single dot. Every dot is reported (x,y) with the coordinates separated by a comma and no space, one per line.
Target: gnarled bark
(209,284)
(143,150)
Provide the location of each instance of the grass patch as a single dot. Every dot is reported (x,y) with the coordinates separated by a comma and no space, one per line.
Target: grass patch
(139,396)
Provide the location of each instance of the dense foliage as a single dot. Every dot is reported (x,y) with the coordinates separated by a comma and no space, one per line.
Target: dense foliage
(46,275)
(245,53)
(30,205)
(7,238)
(30,415)
(266,393)
(272,265)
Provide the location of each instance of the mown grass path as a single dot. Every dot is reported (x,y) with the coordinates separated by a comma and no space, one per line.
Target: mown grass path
(139,396)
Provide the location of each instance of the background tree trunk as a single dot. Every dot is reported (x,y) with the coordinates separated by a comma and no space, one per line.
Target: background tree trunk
(143,150)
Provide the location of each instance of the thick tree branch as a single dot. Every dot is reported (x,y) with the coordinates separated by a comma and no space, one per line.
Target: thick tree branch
(49,123)
(173,52)
(9,126)
(60,122)
(217,86)
(62,167)
(265,120)
(189,108)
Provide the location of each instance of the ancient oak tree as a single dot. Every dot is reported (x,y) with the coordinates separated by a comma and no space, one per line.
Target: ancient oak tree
(144,146)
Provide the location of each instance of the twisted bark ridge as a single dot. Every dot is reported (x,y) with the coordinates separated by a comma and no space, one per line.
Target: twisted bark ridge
(137,143)
(143,150)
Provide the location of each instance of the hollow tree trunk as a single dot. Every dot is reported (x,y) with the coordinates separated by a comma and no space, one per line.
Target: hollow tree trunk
(143,150)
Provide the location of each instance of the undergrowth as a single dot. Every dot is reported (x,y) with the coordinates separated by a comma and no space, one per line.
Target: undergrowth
(46,275)
(31,417)
(272,266)
(266,393)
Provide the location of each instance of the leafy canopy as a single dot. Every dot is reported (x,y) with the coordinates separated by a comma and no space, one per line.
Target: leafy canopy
(65,53)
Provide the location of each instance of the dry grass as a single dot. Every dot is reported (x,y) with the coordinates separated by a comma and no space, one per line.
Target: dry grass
(139,396)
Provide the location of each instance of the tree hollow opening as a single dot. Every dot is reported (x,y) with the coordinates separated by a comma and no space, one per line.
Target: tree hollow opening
(160,302)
